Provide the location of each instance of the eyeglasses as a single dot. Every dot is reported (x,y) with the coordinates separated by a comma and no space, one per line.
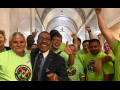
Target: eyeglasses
(57,40)
(46,39)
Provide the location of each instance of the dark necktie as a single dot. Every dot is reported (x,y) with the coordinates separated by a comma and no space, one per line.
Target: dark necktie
(37,67)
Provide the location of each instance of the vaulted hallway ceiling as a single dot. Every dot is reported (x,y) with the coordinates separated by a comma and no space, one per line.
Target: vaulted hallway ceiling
(65,20)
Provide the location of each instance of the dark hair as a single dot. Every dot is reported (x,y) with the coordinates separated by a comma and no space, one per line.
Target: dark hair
(44,32)
(53,31)
(77,39)
(105,43)
(29,36)
(94,40)
(3,33)
(85,41)
(56,34)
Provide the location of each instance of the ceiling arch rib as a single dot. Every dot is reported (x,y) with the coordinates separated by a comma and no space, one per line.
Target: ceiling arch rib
(79,11)
(62,21)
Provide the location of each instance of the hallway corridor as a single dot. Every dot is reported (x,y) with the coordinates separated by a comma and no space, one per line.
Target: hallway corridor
(65,20)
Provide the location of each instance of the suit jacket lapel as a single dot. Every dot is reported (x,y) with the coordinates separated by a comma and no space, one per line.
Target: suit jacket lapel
(47,63)
(33,54)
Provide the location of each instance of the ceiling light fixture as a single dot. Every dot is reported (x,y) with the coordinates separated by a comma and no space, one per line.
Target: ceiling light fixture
(62,32)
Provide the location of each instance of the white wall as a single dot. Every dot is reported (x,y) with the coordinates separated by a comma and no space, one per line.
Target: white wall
(14,19)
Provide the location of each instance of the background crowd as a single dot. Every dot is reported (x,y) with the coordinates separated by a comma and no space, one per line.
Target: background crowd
(52,60)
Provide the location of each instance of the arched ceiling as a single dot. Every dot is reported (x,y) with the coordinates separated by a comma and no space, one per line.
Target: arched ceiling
(71,19)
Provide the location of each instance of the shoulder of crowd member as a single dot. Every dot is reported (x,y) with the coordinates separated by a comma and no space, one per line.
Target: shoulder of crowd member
(57,55)
(103,53)
(62,46)
(4,55)
(36,50)
(115,46)
(78,61)
(64,53)
(80,55)
(112,56)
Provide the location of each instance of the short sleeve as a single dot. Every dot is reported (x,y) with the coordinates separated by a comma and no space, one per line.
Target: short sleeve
(112,56)
(82,74)
(108,68)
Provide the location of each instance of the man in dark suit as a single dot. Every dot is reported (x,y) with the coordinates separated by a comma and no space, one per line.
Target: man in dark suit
(52,67)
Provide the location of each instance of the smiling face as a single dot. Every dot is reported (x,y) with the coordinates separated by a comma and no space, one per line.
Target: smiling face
(94,47)
(18,44)
(106,47)
(44,42)
(2,40)
(73,49)
(30,40)
(56,42)
(79,43)
(85,47)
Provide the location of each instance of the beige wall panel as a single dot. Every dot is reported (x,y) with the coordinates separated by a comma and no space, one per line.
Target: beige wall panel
(115,30)
(33,19)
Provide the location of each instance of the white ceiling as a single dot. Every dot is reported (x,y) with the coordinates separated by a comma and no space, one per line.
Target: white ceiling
(71,19)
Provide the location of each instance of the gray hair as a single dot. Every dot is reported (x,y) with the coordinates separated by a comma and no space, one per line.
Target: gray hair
(16,34)
(3,33)
(73,46)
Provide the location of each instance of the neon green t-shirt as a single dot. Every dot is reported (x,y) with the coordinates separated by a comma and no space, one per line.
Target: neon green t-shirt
(14,67)
(80,57)
(4,50)
(76,71)
(90,61)
(112,55)
(62,46)
(65,56)
(27,51)
(116,51)
(81,52)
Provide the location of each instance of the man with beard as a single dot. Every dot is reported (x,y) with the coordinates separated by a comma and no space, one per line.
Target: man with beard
(3,41)
(90,63)
(15,64)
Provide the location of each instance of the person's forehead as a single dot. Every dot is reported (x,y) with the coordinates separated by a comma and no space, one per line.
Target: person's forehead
(94,43)
(18,38)
(44,35)
(72,47)
(1,34)
(85,43)
(57,37)
(106,44)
